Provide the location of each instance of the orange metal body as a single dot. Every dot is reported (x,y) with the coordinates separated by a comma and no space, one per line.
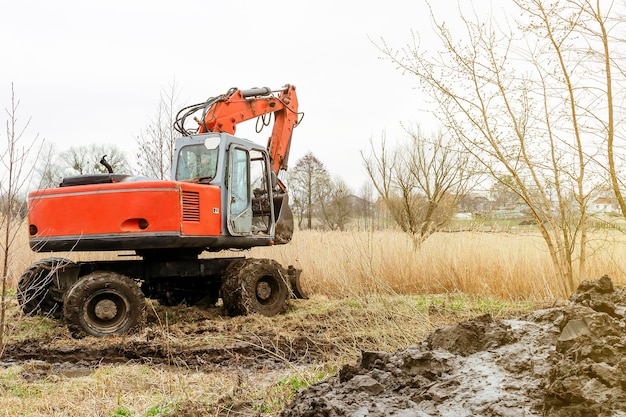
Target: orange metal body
(124,215)
(152,215)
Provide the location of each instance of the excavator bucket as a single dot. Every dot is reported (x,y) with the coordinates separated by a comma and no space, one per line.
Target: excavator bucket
(284,220)
(294,282)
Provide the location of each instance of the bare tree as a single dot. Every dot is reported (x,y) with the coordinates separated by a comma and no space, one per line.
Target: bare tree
(81,160)
(156,142)
(48,170)
(503,195)
(596,29)
(307,180)
(16,156)
(53,166)
(365,212)
(335,206)
(533,103)
(421,182)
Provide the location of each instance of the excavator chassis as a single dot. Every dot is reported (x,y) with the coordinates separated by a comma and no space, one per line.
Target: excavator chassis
(102,298)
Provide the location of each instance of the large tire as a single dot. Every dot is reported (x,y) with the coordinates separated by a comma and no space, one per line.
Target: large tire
(34,287)
(255,286)
(104,304)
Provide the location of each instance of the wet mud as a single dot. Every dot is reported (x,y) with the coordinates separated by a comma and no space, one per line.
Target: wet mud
(563,361)
(197,339)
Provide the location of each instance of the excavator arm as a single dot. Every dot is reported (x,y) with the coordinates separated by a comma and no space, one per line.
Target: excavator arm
(223,113)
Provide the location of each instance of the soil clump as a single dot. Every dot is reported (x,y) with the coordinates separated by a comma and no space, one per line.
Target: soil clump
(562,361)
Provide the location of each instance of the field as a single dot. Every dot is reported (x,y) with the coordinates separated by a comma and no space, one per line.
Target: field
(369,291)
(507,266)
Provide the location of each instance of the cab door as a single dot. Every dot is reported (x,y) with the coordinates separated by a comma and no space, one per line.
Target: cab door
(239,214)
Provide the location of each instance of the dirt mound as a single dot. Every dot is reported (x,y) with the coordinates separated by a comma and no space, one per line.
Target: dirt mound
(562,361)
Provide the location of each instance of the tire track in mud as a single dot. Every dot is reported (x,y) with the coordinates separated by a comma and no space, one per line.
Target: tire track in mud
(258,354)
(198,339)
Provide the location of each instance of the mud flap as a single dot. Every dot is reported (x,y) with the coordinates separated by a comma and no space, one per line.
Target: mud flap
(284,220)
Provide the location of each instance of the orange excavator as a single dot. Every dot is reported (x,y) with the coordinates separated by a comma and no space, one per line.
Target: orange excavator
(225,193)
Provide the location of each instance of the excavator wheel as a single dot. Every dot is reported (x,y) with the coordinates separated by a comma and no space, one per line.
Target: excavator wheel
(255,286)
(34,287)
(104,304)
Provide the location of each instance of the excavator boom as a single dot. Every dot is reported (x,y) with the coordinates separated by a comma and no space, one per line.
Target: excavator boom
(223,113)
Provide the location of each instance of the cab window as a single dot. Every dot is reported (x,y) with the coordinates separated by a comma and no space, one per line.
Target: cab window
(196,161)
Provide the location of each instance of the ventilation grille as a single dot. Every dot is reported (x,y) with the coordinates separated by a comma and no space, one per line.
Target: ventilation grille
(191,206)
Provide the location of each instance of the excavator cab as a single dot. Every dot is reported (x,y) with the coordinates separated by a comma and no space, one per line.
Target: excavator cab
(252,203)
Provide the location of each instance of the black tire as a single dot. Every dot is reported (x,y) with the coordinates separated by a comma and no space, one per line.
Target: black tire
(255,286)
(34,293)
(104,304)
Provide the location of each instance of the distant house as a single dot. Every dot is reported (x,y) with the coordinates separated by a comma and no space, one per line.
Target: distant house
(507,214)
(604,205)
(463,216)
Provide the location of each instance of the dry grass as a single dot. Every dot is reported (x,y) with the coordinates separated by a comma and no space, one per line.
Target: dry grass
(338,328)
(142,390)
(346,264)
(137,390)
(506,266)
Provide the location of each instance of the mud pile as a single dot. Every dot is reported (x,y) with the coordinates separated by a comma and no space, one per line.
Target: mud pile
(562,361)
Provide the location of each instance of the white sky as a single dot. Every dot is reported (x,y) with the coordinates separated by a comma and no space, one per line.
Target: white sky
(92,71)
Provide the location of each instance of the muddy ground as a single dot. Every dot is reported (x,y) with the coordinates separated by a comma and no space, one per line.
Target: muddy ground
(567,360)
(256,350)
(200,340)
(563,361)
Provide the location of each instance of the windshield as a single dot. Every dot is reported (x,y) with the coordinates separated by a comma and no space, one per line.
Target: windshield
(196,161)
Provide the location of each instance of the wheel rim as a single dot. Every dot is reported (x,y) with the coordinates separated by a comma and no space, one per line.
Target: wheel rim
(106,311)
(266,290)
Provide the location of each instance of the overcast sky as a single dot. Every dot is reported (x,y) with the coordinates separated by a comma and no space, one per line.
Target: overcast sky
(92,71)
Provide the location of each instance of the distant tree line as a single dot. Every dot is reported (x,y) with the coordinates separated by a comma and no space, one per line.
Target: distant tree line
(54,165)
(320,200)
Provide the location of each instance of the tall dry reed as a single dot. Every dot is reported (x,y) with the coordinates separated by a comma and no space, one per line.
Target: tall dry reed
(507,266)
(342,264)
